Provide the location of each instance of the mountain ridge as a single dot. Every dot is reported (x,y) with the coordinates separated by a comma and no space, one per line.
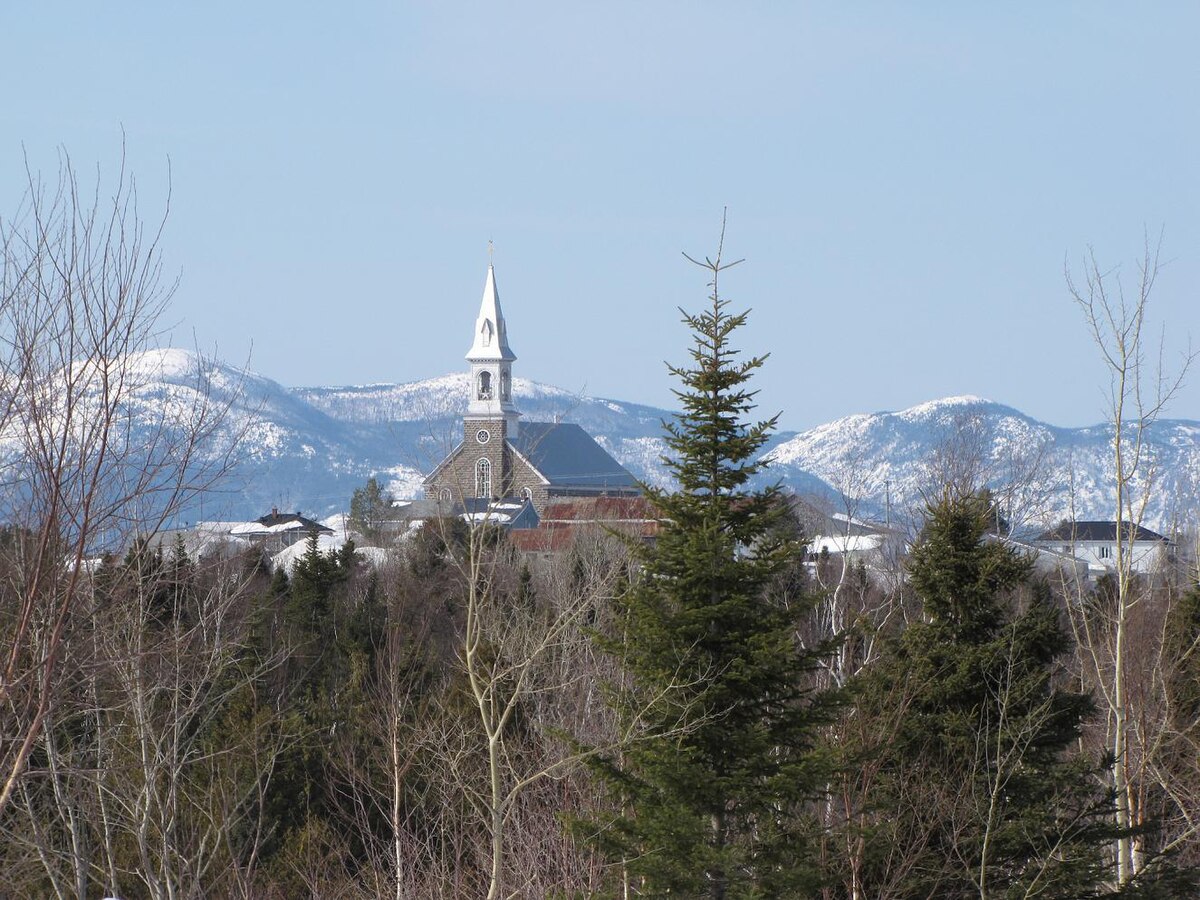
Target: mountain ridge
(308,448)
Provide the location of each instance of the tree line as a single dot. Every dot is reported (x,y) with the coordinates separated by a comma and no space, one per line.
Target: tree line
(713,714)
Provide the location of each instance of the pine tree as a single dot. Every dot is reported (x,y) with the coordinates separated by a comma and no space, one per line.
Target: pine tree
(981,790)
(712,790)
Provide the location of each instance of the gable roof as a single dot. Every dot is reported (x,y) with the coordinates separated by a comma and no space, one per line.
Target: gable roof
(277,522)
(567,456)
(1069,532)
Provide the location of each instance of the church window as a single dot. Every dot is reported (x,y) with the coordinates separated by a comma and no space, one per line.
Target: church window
(527,493)
(445,494)
(505,385)
(486,332)
(483,478)
(485,385)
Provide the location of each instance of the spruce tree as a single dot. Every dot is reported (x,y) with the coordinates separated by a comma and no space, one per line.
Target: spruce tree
(711,789)
(981,790)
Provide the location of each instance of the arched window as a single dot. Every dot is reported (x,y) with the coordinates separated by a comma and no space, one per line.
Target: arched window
(445,495)
(485,385)
(483,478)
(527,493)
(505,385)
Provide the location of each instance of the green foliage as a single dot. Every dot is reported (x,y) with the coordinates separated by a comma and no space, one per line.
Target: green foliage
(370,507)
(979,788)
(711,793)
(1182,653)
(434,543)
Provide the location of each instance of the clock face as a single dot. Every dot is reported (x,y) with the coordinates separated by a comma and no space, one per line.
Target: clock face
(483,435)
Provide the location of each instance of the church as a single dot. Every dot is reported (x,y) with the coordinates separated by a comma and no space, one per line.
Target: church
(501,457)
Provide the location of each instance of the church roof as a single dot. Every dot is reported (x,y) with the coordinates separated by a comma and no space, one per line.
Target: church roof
(491,334)
(567,456)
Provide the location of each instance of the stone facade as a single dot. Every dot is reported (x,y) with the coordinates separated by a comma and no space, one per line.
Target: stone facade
(509,474)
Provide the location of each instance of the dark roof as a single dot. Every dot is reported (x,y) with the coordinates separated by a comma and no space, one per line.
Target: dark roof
(277,518)
(567,456)
(1069,532)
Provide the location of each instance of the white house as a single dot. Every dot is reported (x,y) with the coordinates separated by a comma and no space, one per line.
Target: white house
(1096,544)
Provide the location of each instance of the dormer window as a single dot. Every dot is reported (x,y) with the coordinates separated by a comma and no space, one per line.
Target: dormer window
(485,333)
(485,386)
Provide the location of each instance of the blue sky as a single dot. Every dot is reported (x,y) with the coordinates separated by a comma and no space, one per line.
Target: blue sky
(905,182)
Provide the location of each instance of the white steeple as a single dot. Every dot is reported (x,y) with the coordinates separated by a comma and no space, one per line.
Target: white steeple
(491,362)
(491,335)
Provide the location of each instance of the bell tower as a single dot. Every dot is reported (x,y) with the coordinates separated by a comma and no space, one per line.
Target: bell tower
(491,418)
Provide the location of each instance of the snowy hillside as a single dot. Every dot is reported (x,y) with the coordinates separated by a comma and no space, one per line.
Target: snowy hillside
(307,449)
(1041,473)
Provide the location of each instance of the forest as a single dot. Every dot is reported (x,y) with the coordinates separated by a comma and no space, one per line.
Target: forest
(714,713)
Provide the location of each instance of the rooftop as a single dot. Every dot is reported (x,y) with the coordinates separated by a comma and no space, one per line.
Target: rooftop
(567,456)
(1074,532)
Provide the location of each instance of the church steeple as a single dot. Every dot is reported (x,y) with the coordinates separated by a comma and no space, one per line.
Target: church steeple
(491,335)
(491,362)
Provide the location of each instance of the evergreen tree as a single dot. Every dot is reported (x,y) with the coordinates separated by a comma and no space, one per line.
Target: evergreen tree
(333,629)
(981,791)
(712,792)
(370,507)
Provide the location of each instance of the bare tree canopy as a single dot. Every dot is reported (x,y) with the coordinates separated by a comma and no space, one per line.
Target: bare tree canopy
(82,295)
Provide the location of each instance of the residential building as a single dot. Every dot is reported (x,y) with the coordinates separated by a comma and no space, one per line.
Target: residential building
(1096,544)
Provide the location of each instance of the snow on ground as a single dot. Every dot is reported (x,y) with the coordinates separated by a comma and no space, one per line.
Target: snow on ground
(327,543)
(403,481)
(840,543)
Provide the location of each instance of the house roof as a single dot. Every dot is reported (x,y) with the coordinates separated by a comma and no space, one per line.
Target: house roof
(1069,532)
(567,456)
(514,513)
(609,510)
(562,522)
(819,522)
(277,522)
(542,540)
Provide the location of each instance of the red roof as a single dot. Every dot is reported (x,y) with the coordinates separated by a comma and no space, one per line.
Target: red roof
(564,520)
(609,510)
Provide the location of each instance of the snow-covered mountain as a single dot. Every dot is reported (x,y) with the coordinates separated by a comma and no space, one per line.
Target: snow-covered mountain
(887,463)
(308,448)
(882,464)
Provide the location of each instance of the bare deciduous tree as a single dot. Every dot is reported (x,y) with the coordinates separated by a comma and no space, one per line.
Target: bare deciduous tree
(1141,385)
(81,298)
